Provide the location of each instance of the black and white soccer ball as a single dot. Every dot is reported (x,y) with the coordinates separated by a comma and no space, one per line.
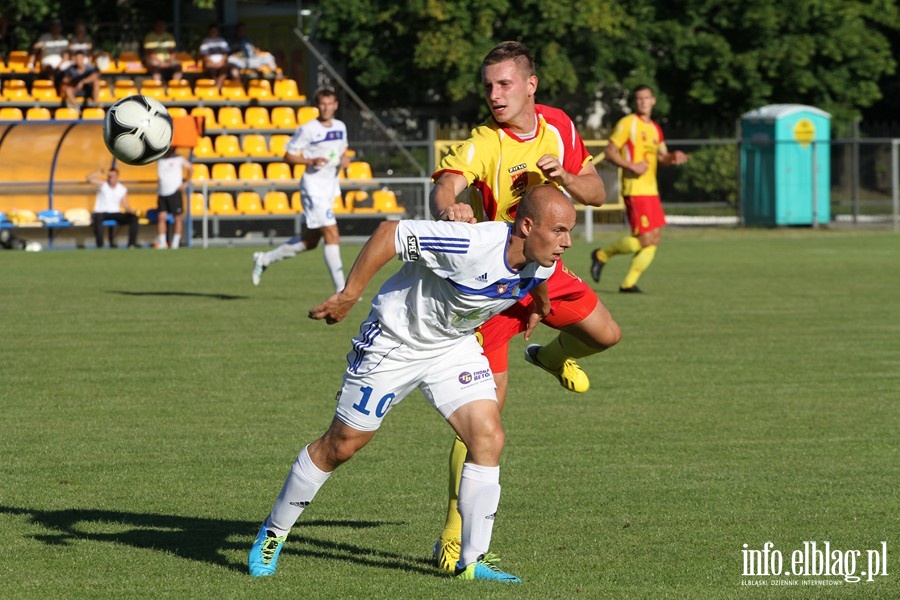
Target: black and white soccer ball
(137,130)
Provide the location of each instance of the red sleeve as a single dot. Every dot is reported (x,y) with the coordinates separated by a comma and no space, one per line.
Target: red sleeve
(575,152)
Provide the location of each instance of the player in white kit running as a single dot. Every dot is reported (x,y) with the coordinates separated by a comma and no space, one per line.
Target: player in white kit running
(321,145)
(420,334)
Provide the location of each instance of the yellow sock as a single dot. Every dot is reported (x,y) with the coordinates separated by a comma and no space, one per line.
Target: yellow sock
(453,524)
(563,346)
(627,245)
(639,264)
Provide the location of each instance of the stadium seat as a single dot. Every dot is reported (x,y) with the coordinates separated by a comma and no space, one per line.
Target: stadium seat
(221,203)
(78,216)
(296,202)
(11,113)
(249,203)
(66,114)
(208,115)
(198,203)
(37,113)
(124,88)
(339,207)
(130,62)
(205,89)
(17,62)
(204,148)
(223,172)
(278,171)
(359,170)
(277,144)
(254,144)
(286,89)
(44,90)
(153,89)
(180,91)
(251,171)
(227,145)
(257,117)
(105,94)
(385,201)
(200,172)
(306,114)
(177,111)
(233,89)
(259,89)
(93,113)
(277,203)
(15,90)
(299,170)
(284,117)
(53,218)
(188,62)
(230,117)
(357,201)
(22,217)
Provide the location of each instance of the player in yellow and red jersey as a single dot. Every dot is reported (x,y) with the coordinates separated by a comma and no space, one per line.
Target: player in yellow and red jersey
(522,145)
(638,147)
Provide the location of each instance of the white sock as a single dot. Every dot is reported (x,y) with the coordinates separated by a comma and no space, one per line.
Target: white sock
(161,240)
(289,249)
(332,254)
(176,240)
(479,497)
(299,489)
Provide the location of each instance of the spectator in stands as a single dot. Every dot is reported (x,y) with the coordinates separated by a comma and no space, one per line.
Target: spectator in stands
(214,55)
(112,205)
(244,55)
(51,49)
(81,40)
(171,170)
(159,54)
(82,79)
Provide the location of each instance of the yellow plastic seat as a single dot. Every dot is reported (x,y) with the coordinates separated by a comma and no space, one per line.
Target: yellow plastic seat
(177,111)
(354,200)
(254,144)
(205,89)
(278,171)
(105,94)
(15,90)
(249,203)
(130,62)
(385,201)
(180,91)
(204,148)
(223,172)
(257,117)
(37,113)
(228,145)
(208,115)
(338,206)
(66,114)
(124,88)
(259,89)
(200,172)
(44,90)
(188,62)
(17,62)
(296,202)
(93,113)
(278,143)
(286,89)
(198,203)
(230,117)
(284,117)
(277,203)
(11,113)
(251,171)
(299,170)
(233,89)
(221,203)
(78,216)
(306,114)
(359,169)
(153,89)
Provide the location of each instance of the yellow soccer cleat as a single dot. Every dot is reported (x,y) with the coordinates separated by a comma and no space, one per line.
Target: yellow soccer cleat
(569,375)
(446,553)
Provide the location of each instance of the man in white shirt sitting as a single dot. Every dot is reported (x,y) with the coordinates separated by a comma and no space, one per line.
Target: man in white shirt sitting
(112,205)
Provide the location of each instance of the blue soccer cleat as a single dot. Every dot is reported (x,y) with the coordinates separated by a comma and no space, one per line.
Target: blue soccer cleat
(263,557)
(485,569)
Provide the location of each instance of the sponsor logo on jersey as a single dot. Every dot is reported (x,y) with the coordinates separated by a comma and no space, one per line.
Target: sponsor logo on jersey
(481,278)
(412,247)
(465,378)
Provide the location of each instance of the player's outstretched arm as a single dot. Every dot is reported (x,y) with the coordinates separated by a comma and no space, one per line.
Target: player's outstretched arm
(377,252)
(443,199)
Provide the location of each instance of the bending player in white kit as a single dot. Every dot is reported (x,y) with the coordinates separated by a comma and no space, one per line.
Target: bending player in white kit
(420,334)
(319,144)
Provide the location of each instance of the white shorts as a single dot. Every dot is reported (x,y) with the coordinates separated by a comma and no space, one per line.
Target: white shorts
(382,371)
(317,212)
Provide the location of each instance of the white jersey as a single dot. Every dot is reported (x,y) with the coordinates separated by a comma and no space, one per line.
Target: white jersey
(171,173)
(109,199)
(455,278)
(315,140)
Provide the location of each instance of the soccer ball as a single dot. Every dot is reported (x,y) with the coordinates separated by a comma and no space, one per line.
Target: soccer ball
(137,130)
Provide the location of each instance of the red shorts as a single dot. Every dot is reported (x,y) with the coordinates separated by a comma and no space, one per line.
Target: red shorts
(571,301)
(645,213)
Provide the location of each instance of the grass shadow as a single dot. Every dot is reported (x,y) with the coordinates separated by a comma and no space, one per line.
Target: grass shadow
(182,294)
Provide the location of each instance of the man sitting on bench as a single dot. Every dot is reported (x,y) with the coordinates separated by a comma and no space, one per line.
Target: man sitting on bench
(112,205)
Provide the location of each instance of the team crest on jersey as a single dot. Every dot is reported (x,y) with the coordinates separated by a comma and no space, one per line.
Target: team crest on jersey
(412,247)
(501,288)
(519,182)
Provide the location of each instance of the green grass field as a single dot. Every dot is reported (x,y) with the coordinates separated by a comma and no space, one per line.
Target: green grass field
(152,403)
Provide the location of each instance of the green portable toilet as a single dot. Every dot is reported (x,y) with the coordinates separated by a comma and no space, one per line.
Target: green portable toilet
(786,165)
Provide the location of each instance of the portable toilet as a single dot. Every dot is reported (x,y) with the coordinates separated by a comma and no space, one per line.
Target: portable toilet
(786,165)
